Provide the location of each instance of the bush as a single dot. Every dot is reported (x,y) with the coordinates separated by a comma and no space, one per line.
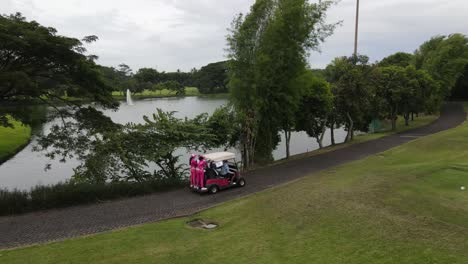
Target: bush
(68,194)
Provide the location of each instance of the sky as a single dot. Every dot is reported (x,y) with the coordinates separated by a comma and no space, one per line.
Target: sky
(183,34)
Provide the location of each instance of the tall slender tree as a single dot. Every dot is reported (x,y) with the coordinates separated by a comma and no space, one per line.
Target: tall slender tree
(268,50)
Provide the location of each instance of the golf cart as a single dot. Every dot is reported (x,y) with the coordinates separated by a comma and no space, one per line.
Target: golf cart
(221,172)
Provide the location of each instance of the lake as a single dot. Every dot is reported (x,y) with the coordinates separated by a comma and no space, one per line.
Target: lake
(26,169)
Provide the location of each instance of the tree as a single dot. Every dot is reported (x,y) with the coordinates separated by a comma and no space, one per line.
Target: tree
(158,87)
(111,77)
(394,91)
(122,153)
(267,49)
(225,125)
(444,58)
(460,91)
(125,71)
(171,86)
(405,91)
(184,78)
(427,93)
(212,78)
(401,59)
(37,64)
(148,75)
(314,111)
(175,86)
(134,85)
(351,81)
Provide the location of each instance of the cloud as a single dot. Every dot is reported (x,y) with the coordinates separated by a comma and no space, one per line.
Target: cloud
(389,26)
(182,34)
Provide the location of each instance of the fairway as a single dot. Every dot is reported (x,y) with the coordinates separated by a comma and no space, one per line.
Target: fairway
(402,206)
(12,139)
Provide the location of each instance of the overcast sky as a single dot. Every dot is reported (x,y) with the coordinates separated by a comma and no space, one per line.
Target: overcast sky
(182,34)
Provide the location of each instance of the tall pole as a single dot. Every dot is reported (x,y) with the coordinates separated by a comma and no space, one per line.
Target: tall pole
(357,30)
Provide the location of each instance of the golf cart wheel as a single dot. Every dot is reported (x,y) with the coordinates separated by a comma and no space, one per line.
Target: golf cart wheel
(213,189)
(241,182)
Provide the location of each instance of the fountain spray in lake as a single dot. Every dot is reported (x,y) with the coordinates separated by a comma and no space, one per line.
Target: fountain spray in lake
(129,98)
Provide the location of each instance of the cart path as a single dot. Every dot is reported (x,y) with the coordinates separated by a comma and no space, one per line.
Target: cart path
(52,225)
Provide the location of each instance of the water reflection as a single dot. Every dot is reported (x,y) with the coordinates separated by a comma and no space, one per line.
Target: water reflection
(26,169)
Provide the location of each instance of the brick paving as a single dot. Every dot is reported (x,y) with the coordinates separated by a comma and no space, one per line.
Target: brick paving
(53,225)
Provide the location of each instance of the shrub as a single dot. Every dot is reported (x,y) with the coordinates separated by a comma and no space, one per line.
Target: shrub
(69,194)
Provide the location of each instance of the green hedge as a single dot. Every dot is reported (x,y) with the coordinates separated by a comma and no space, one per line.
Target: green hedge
(66,194)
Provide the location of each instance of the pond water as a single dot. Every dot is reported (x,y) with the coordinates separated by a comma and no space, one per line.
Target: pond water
(26,169)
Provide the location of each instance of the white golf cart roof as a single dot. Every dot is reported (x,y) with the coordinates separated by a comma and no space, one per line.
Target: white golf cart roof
(220,156)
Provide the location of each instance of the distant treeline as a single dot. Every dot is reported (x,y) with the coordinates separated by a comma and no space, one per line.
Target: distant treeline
(209,79)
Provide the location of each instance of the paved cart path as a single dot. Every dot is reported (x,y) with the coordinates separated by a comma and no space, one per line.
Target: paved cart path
(60,224)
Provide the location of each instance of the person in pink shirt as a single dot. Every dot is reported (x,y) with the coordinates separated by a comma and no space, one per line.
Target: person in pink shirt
(193,170)
(201,171)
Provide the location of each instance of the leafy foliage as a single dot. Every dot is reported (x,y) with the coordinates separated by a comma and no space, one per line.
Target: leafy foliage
(225,126)
(268,49)
(460,91)
(316,106)
(171,86)
(124,153)
(36,63)
(394,92)
(401,59)
(212,78)
(352,85)
(444,58)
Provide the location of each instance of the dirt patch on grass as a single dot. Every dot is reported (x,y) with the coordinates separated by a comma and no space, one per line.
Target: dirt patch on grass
(199,223)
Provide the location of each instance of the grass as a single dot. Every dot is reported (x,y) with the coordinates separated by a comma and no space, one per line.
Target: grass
(189,91)
(13,139)
(402,206)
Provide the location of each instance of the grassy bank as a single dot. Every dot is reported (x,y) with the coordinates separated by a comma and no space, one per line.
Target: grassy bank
(13,139)
(402,206)
(189,91)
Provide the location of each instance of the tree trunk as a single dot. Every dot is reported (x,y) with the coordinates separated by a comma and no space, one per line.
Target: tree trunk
(319,142)
(287,134)
(412,116)
(407,117)
(324,129)
(350,135)
(332,133)
(394,119)
(248,143)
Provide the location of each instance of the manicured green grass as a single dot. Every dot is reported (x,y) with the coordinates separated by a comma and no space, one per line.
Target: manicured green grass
(189,91)
(402,206)
(12,139)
